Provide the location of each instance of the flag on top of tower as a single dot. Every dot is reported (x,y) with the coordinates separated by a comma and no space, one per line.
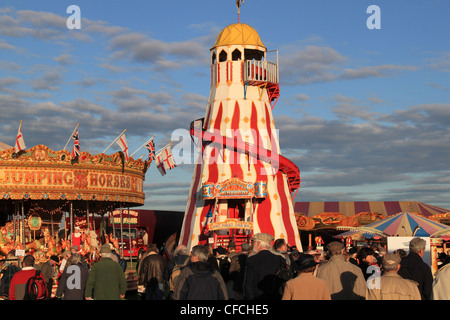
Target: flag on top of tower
(122,142)
(150,145)
(76,144)
(164,159)
(20,143)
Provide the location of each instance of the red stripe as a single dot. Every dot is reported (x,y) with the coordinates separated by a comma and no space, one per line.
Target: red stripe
(213,172)
(268,121)
(302,207)
(263,214)
(192,201)
(361,206)
(235,167)
(259,168)
(285,212)
(392,207)
(331,206)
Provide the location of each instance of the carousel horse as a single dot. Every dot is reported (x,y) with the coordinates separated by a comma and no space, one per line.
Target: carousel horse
(114,241)
(65,245)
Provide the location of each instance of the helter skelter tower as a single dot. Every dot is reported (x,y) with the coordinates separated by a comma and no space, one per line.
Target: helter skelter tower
(241,184)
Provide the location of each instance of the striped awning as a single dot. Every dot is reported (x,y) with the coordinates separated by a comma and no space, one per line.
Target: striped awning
(4,146)
(350,208)
(405,224)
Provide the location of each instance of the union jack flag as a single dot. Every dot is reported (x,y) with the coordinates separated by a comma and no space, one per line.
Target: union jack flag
(151,149)
(76,145)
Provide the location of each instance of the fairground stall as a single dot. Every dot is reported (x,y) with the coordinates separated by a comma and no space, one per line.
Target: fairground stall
(39,185)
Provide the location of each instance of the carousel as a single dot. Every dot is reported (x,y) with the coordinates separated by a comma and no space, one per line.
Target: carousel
(39,187)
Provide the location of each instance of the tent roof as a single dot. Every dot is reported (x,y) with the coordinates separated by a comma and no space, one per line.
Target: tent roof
(350,208)
(4,146)
(402,224)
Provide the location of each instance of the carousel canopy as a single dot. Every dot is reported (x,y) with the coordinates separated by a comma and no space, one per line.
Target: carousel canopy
(404,224)
(4,146)
(350,208)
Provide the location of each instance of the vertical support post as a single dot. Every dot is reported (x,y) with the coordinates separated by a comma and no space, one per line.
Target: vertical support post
(23,224)
(87,217)
(71,223)
(121,233)
(129,239)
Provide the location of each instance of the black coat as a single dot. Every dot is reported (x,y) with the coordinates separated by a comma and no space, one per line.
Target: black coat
(68,286)
(200,281)
(260,275)
(413,268)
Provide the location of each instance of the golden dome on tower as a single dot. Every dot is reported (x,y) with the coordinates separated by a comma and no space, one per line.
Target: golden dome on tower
(240,34)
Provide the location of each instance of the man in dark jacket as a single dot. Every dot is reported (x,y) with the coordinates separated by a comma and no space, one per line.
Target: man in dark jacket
(413,268)
(199,280)
(151,274)
(262,267)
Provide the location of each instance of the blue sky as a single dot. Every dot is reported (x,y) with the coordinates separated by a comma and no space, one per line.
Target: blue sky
(363,113)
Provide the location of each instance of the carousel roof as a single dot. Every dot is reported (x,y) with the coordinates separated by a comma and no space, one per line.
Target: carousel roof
(4,146)
(404,224)
(350,208)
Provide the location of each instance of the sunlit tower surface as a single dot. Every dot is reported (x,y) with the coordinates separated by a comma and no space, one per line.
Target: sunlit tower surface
(241,184)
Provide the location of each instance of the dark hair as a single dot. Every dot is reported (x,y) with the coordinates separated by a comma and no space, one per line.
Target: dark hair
(402,253)
(364,252)
(279,243)
(28,261)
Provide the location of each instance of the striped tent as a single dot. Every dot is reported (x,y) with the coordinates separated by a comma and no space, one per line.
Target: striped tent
(4,146)
(403,224)
(350,208)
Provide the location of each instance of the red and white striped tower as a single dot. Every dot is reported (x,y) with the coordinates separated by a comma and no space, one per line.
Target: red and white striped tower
(241,184)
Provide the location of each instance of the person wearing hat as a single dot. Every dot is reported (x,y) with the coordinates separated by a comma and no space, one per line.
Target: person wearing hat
(106,280)
(345,280)
(262,267)
(49,272)
(306,286)
(391,286)
(352,253)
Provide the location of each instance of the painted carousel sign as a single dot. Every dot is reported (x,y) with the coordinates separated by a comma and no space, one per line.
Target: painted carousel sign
(231,224)
(42,173)
(234,189)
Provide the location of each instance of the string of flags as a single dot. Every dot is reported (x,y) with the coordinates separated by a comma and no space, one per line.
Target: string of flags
(163,158)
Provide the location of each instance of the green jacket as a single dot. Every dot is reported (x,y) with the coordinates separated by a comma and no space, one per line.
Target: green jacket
(106,281)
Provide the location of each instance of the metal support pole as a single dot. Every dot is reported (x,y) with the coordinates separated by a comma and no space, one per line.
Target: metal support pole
(121,233)
(87,217)
(23,224)
(129,239)
(71,223)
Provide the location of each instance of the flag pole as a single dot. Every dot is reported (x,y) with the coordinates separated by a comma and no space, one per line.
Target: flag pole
(76,127)
(115,140)
(170,143)
(143,145)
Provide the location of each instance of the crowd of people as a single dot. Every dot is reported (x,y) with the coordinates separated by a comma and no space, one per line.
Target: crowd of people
(68,271)
(265,269)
